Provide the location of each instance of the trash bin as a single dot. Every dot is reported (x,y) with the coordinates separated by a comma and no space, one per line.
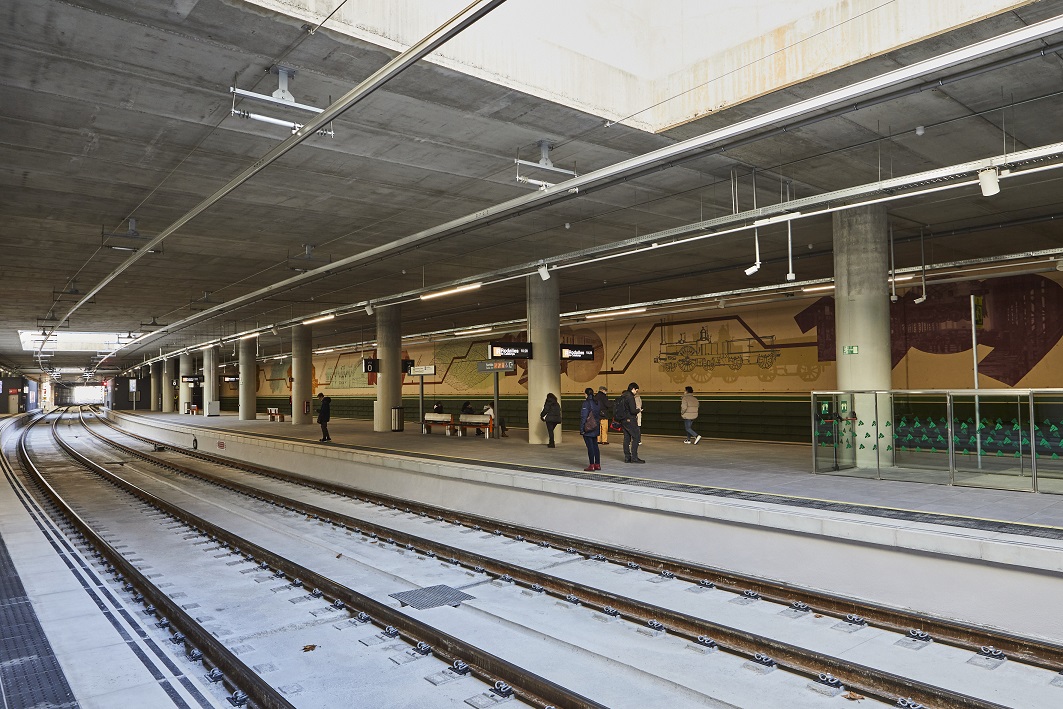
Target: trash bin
(396,418)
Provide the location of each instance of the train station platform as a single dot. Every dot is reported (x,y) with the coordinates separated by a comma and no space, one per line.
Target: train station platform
(777,473)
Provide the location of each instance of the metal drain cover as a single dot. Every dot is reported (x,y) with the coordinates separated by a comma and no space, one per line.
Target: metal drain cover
(431,597)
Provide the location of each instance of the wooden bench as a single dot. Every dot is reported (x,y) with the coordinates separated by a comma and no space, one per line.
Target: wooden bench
(275,414)
(445,420)
(477,421)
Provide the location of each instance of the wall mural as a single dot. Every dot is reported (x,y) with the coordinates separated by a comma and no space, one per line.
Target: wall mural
(784,347)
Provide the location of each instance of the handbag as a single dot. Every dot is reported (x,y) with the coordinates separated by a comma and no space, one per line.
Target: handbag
(615,426)
(590,425)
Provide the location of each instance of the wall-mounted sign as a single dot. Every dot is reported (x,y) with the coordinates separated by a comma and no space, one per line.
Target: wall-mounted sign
(13,391)
(577,352)
(191,378)
(850,349)
(508,350)
(370,365)
(426,370)
(498,365)
(407,365)
(132,385)
(230,378)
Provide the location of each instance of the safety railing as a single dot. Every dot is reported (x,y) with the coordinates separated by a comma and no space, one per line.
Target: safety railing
(1009,439)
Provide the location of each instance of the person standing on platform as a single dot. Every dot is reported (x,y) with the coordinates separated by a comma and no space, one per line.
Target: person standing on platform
(589,420)
(605,407)
(688,410)
(551,414)
(638,419)
(324,413)
(627,412)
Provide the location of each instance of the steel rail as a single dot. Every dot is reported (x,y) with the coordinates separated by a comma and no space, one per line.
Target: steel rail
(800,660)
(237,675)
(1033,651)
(531,688)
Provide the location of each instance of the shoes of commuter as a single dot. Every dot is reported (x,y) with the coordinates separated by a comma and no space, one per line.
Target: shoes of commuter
(627,459)
(550,445)
(696,440)
(322,440)
(686,440)
(637,460)
(604,443)
(505,435)
(589,469)
(597,467)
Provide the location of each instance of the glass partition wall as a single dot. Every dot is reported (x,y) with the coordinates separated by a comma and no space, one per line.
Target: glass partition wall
(1002,439)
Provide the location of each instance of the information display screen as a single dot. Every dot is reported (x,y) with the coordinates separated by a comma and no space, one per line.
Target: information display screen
(584,352)
(191,378)
(511,350)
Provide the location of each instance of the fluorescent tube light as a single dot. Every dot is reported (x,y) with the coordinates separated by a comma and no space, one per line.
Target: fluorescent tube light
(813,289)
(477,331)
(323,318)
(611,313)
(250,336)
(450,291)
(326,351)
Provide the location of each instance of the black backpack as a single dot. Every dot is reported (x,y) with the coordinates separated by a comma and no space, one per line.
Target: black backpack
(620,411)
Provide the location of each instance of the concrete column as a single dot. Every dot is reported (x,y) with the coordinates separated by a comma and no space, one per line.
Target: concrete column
(544,369)
(302,373)
(185,366)
(169,373)
(862,321)
(210,380)
(248,380)
(389,378)
(155,372)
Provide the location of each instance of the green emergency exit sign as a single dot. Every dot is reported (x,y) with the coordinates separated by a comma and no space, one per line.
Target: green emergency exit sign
(850,349)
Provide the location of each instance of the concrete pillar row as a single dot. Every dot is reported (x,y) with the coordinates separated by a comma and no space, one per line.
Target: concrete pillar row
(248,380)
(389,378)
(862,324)
(155,372)
(169,374)
(185,367)
(302,374)
(544,368)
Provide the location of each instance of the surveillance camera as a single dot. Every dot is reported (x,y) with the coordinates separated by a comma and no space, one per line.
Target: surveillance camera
(752,269)
(920,299)
(791,276)
(894,298)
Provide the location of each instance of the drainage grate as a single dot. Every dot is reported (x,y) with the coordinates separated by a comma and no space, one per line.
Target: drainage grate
(30,675)
(432,597)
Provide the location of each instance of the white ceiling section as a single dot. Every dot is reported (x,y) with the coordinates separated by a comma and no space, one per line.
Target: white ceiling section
(113,111)
(652,64)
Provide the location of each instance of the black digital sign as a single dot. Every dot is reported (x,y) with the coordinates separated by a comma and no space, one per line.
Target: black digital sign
(511,350)
(582,352)
(191,378)
(370,365)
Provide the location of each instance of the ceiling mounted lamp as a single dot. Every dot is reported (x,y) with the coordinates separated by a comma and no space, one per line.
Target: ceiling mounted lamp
(756,253)
(369,309)
(323,318)
(250,336)
(451,291)
(989,182)
(544,272)
(611,313)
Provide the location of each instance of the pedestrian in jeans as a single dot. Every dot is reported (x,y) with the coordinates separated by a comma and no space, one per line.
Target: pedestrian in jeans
(589,419)
(627,412)
(605,407)
(324,413)
(688,410)
(551,414)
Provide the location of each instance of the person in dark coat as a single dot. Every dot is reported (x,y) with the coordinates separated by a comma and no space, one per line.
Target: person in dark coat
(324,413)
(437,408)
(589,419)
(606,408)
(627,412)
(551,414)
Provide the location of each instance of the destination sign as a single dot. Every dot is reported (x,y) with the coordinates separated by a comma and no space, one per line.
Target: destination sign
(230,378)
(585,352)
(514,350)
(423,370)
(498,365)
(191,378)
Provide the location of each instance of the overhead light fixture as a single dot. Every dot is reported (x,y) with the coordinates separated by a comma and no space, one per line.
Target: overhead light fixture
(790,275)
(369,309)
(788,217)
(989,182)
(813,289)
(544,272)
(477,331)
(250,336)
(325,351)
(274,331)
(204,348)
(323,318)
(756,253)
(611,313)
(451,291)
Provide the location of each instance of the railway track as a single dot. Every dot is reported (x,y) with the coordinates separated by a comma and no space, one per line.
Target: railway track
(760,628)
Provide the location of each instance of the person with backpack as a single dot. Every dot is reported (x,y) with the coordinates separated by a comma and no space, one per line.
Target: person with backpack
(626,411)
(606,408)
(590,415)
(551,414)
(688,411)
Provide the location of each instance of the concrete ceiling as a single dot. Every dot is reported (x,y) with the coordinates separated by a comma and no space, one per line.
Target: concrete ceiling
(111,110)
